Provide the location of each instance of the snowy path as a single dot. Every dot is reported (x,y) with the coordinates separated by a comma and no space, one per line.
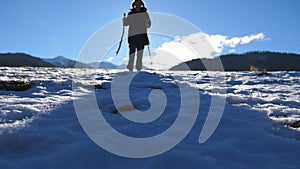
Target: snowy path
(39,127)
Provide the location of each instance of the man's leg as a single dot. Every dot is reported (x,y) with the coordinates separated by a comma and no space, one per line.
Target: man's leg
(139,59)
(131,58)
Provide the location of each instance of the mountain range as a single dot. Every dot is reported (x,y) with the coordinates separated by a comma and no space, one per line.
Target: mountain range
(63,62)
(103,65)
(22,59)
(271,61)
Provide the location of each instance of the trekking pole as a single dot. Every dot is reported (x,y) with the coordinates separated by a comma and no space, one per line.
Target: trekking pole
(121,38)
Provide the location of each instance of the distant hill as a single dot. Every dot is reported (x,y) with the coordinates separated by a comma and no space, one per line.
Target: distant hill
(22,59)
(63,62)
(272,61)
(103,65)
(124,66)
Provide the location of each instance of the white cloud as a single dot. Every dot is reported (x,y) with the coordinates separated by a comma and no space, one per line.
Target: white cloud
(231,51)
(180,50)
(232,43)
(198,45)
(221,41)
(110,59)
(248,39)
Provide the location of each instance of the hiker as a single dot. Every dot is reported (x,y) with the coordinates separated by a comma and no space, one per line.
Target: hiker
(138,21)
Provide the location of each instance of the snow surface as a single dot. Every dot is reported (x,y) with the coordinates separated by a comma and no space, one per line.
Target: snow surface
(39,127)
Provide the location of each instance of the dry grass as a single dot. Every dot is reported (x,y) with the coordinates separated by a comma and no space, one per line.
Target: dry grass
(122,109)
(13,85)
(296,124)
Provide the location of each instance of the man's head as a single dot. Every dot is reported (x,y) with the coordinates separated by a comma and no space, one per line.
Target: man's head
(138,4)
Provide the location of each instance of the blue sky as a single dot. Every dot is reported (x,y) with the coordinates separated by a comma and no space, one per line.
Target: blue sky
(48,28)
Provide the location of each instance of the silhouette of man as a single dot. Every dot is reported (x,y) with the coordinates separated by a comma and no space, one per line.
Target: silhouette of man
(138,21)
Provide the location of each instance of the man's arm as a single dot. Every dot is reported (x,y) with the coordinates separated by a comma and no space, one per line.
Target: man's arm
(126,20)
(148,21)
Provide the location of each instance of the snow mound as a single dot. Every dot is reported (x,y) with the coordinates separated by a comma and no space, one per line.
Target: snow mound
(39,127)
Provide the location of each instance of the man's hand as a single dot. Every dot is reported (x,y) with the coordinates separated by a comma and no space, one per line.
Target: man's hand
(124,20)
(148,23)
